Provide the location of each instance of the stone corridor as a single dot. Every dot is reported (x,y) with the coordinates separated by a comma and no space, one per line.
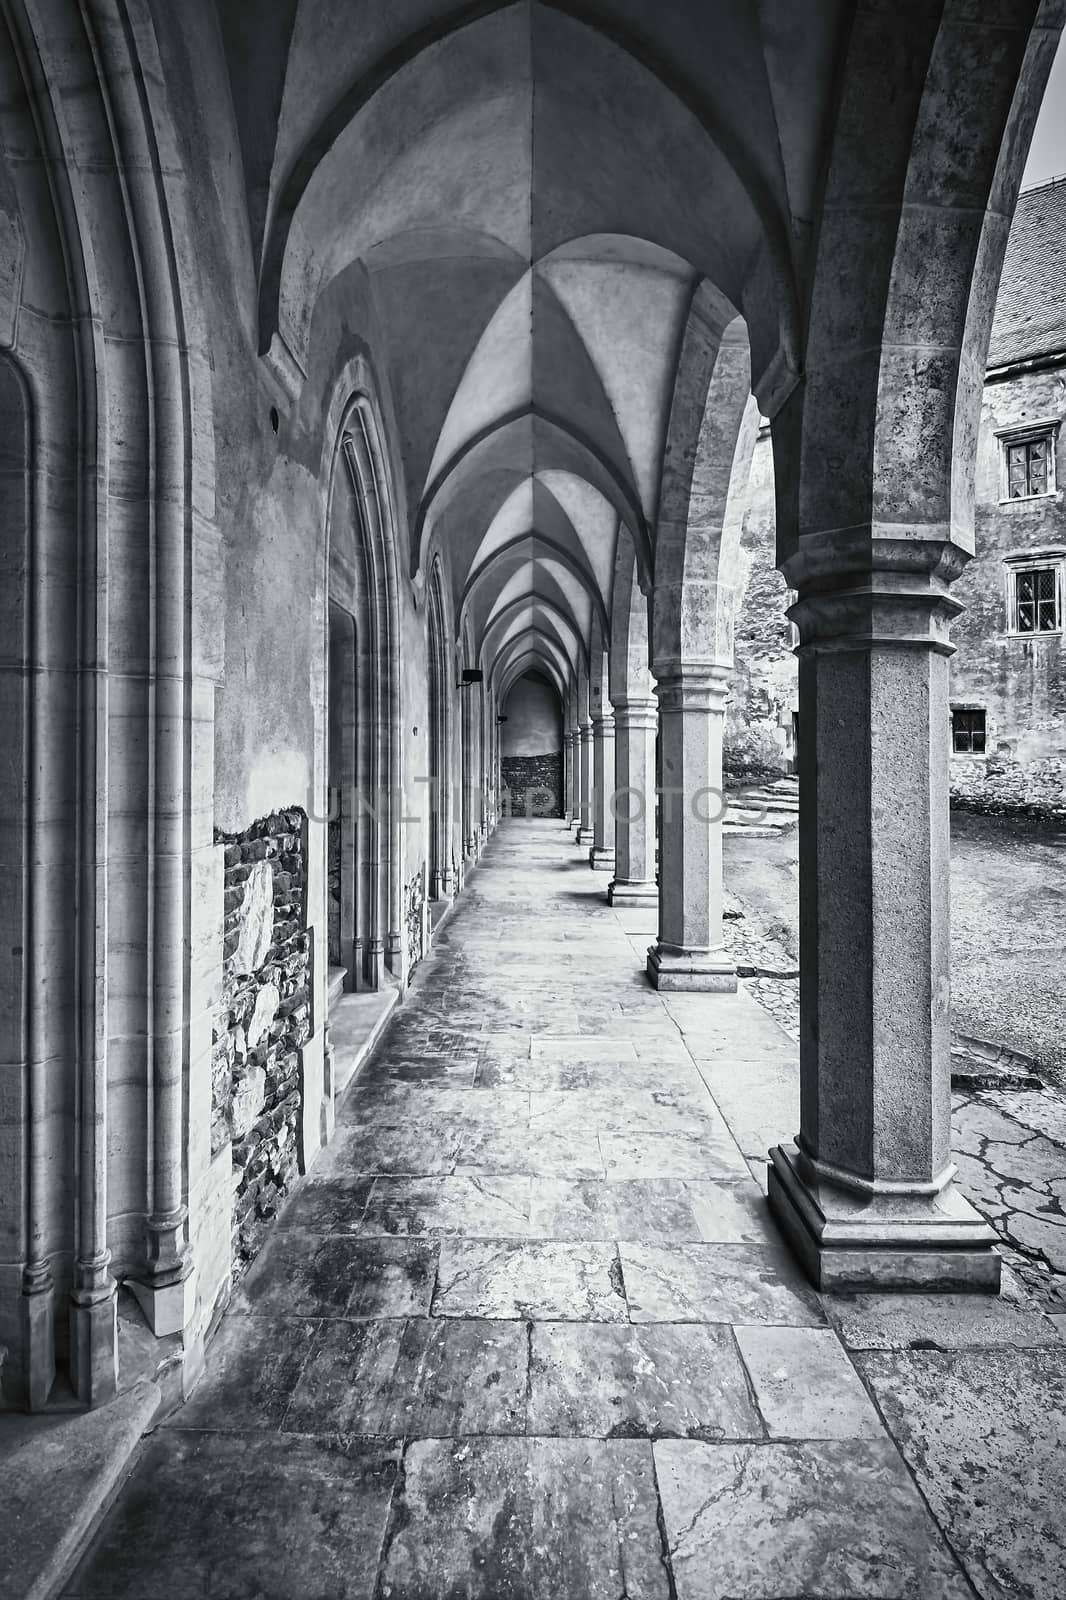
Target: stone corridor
(527,1329)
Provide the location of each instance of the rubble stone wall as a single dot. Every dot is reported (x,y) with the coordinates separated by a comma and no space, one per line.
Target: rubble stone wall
(541,776)
(264,1019)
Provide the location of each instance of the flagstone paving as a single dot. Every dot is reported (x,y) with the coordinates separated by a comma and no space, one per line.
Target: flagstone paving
(527,1331)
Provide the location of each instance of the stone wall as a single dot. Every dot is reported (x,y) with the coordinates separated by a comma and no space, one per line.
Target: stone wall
(999,785)
(523,775)
(264,1019)
(415,919)
(1018,681)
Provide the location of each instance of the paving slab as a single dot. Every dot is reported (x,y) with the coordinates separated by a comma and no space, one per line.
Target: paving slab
(541,1279)
(417,1378)
(544,1518)
(664,1379)
(307,1276)
(223,1516)
(841,1520)
(805,1386)
(254,1368)
(984,1433)
(680,1154)
(716,1283)
(495,1206)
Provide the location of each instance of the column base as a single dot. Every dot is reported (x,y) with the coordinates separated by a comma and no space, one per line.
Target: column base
(38,1338)
(636,895)
(94,1348)
(879,1240)
(702,971)
(584,836)
(601,860)
(168,1306)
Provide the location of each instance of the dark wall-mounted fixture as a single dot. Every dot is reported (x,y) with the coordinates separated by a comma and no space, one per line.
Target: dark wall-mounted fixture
(471,675)
(501,719)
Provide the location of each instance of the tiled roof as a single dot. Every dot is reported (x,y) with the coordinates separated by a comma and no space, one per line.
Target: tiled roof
(1030,315)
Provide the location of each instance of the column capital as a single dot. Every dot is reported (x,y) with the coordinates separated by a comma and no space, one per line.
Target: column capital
(894,609)
(840,557)
(603,723)
(699,686)
(636,714)
(585,733)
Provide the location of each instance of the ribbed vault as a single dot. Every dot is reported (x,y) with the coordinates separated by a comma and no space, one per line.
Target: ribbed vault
(517,183)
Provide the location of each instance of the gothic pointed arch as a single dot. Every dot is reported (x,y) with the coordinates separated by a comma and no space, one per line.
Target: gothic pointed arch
(366,865)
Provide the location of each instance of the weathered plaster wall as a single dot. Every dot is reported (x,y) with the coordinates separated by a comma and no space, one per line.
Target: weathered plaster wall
(1020,683)
(534,725)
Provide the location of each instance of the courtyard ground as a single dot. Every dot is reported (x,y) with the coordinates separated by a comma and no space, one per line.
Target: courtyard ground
(1008,926)
(528,1331)
(1008,942)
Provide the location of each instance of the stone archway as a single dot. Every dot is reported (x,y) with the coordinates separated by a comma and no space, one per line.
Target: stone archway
(113,542)
(363,742)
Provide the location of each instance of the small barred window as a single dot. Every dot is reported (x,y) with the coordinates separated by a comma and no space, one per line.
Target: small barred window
(1028,469)
(1036,601)
(968,732)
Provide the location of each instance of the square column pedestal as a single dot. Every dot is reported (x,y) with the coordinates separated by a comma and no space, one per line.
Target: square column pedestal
(690,952)
(866,1195)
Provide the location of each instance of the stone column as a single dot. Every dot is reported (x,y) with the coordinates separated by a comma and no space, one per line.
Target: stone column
(567,796)
(866,1193)
(689,952)
(636,722)
(585,777)
(601,855)
(575,778)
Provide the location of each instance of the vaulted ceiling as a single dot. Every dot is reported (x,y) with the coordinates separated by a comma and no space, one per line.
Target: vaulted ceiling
(537,191)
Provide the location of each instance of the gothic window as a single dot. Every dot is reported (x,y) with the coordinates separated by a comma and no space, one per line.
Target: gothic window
(968,732)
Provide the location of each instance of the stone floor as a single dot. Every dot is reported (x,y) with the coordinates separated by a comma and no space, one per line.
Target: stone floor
(528,1330)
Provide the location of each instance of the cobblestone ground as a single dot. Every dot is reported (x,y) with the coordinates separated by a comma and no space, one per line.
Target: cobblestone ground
(528,1332)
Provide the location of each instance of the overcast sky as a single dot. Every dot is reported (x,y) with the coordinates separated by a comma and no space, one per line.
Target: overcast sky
(1047,157)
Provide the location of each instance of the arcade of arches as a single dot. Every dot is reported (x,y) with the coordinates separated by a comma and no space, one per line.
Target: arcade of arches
(368,369)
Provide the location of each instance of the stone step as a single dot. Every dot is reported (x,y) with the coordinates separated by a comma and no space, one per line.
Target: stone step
(751,830)
(754,801)
(755,817)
